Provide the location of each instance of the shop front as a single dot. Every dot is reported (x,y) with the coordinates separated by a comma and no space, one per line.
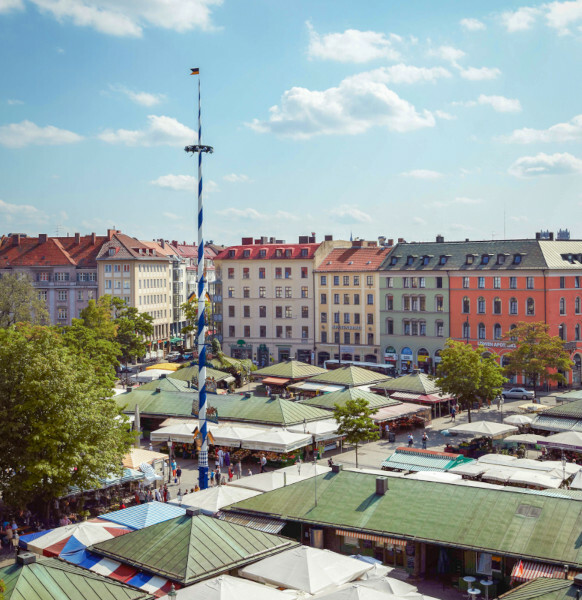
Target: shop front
(284,353)
(263,356)
(423,360)
(406,358)
(390,356)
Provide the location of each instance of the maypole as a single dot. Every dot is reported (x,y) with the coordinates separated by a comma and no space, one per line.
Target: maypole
(200,410)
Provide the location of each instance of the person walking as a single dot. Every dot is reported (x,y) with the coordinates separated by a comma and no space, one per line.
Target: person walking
(410,440)
(179,475)
(220,458)
(218,477)
(227,459)
(424,440)
(230,475)
(151,447)
(211,478)
(174,467)
(158,496)
(263,463)
(238,470)
(453,413)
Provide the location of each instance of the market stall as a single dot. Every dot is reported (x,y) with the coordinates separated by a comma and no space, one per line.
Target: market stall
(402,416)
(211,500)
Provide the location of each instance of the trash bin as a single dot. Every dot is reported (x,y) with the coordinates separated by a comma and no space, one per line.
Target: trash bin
(391,436)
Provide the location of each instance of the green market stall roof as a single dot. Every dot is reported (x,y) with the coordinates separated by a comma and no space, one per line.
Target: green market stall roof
(188,549)
(230,407)
(328,401)
(417,459)
(53,579)
(289,369)
(415,383)
(521,523)
(543,588)
(167,385)
(191,372)
(349,376)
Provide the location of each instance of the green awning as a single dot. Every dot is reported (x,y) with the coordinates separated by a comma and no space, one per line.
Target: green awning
(175,340)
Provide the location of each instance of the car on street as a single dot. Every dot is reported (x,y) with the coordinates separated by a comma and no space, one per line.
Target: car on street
(125,369)
(518,393)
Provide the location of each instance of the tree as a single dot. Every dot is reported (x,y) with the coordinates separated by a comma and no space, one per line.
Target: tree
(467,375)
(355,423)
(59,427)
(132,329)
(19,302)
(538,355)
(190,309)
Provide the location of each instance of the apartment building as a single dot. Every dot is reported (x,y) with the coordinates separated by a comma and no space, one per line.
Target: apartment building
(347,303)
(267,293)
(63,269)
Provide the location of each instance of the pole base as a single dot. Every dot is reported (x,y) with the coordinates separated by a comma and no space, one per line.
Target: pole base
(203,478)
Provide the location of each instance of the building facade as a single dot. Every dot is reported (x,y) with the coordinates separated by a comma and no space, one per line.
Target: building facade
(347,303)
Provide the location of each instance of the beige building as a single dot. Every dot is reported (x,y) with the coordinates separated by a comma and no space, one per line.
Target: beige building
(268,299)
(347,289)
(141,274)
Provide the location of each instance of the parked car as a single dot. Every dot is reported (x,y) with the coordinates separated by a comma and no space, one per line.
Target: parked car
(124,369)
(172,356)
(518,393)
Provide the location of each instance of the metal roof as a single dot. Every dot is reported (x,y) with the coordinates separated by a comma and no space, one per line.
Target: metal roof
(542,588)
(289,369)
(418,460)
(350,376)
(191,372)
(261,523)
(328,401)
(53,579)
(456,515)
(572,410)
(416,383)
(144,515)
(187,549)
(548,423)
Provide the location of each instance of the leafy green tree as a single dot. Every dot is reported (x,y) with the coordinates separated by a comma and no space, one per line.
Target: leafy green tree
(538,355)
(59,427)
(190,309)
(355,424)
(19,302)
(133,328)
(467,375)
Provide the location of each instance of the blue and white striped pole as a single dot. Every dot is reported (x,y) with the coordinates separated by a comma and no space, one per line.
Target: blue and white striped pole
(201,408)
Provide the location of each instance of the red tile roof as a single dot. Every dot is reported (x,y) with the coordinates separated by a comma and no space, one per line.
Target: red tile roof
(353,259)
(272,251)
(55,251)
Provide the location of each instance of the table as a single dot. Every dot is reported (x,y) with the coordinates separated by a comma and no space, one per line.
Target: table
(486,583)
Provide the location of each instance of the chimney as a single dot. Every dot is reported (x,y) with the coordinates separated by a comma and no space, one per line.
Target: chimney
(357,244)
(128,389)
(303,239)
(193,512)
(93,239)
(162,243)
(381,485)
(26,558)
(401,241)
(551,236)
(42,238)
(336,468)
(440,239)
(162,376)
(391,242)
(111,233)
(16,239)
(538,235)
(247,241)
(328,237)
(78,239)
(158,390)
(175,243)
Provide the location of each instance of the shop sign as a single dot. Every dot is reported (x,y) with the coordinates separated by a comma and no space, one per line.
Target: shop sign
(391,356)
(422,358)
(497,344)
(347,327)
(406,354)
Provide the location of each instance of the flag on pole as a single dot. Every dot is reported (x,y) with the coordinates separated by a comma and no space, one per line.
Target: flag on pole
(195,71)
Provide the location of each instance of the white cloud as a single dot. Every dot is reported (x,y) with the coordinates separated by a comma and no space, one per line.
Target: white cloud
(26,133)
(418,221)
(172,216)
(480,74)
(519,20)
(402,73)
(129,18)
(545,164)
(498,103)
(472,24)
(8,5)
(357,104)
(351,46)
(14,102)
(160,131)
(21,213)
(184,183)
(143,98)
(448,53)
(234,178)
(441,114)
(347,213)
(422,174)
(561,15)
(254,215)
(561,132)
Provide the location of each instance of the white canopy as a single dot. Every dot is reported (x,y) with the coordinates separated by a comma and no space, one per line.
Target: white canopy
(310,386)
(577,482)
(473,469)
(308,469)
(226,587)
(518,420)
(357,591)
(536,465)
(277,440)
(485,429)
(522,438)
(568,440)
(211,500)
(531,477)
(151,375)
(438,476)
(182,432)
(273,480)
(377,571)
(232,435)
(320,429)
(497,459)
(501,474)
(571,468)
(389,585)
(308,569)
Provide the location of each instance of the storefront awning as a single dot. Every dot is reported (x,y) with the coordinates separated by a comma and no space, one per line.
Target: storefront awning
(526,570)
(175,340)
(390,413)
(370,537)
(275,381)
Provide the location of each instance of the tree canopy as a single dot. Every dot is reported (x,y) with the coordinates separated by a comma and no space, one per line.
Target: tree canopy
(19,302)
(355,423)
(468,375)
(538,355)
(58,425)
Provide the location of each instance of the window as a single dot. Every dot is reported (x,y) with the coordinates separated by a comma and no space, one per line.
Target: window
(346,298)
(500,259)
(323,299)
(481,282)
(288,331)
(356,280)
(562,331)
(424,260)
(370,319)
(577,305)
(530,307)
(346,318)
(117,268)
(107,269)
(497,283)
(336,298)
(369,299)
(305,312)
(323,280)
(246,292)
(231,292)
(303,252)
(414,328)
(469,259)
(304,292)
(346,280)
(466,330)
(485,259)
(481,332)
(288,292)
(263,312)
(414,303)
(62,313)
(126,268)
(394,260)
(118,285)
(246,253)
(405,302)
(577,332)
(108,284)
(465,282)
(247,331)
(422,282)
(369,280)
(336,317)
(406,282)
(576,282)
(336,337)
(389,326)
(409,260)
(261,272)
(278,312)
(389,302)
(303,272)
(356,299)
(323,317)
(347,337)
(336,279)
(288,312)
(439,282)
(497,306)
(279,331)
(323,337)
(562,306)
(231,273)
(246,311)
(42,295)
(304,332)
(406,327)
(562,282)
(370,339)
(231,253)
(389,282)
(356,318)
(231,331)
(466,305)
(481,305)
(497,331)
(231,312)
(62,295)
(439,329)
(439,303)
(513,283)
(262,331)
(517,259)
(422,303)
(530,283)
(262,292)
(44,276)
(278,273)
(443,259)
(287,272)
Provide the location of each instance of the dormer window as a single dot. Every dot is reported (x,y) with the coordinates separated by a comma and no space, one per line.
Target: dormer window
(231,253)
(517,259)
(443,260)
(246,253)
(303,251)
(500,259)
(424,260)
(393,261)
(485,259)
(278,253)
(409,260)
(262,253)
(469,259)
(288,253)
(111,251)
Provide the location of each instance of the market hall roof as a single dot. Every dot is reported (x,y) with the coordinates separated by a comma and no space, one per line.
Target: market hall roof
(415,383)
(530,525)
(230,407)
(290,369)
(350,376)
(191,548)
(53,579)
(353,259)
(571,410)
(328,401)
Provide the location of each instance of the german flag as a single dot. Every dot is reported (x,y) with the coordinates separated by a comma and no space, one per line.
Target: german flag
(195,71)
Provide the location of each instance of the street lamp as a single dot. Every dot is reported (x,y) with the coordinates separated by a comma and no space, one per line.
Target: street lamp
(564,469)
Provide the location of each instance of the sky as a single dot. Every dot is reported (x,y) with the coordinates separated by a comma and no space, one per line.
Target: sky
(402,119)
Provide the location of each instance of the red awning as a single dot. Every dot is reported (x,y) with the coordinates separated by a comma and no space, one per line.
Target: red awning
(275,381)
(373,538)
(526,570)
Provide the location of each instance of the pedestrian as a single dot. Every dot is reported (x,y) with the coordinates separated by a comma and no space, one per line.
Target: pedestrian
(424,440)
(179,475)
(227,459)
(169,495)
(298,465)
(386,430)
(330,462)
(218,477)
(263,463)
(249,472)
(196,488)
(268,390)
(136,497)
(15,541)
(174,467)
(410,440)
(158,496)
(220,458)
(179,495)
(453,413)
(211,478)
(165,493)
(230,475)
(238,470)
(151,447)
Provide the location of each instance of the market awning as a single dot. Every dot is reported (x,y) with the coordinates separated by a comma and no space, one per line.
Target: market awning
(370,537)
(259,523)
(307,386)
(175,340)
(390,413)
(525,570)
(420,398)
(275,381)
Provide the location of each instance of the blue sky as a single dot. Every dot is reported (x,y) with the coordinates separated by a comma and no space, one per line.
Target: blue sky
(403,119)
